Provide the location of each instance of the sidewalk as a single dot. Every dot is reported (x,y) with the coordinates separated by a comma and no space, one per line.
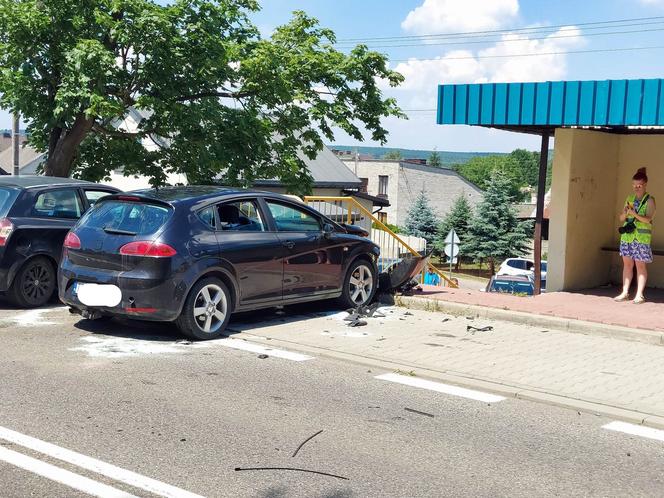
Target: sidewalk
(592,305)
(593,374)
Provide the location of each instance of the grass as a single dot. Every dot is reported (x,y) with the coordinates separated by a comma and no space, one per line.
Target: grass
(466,270)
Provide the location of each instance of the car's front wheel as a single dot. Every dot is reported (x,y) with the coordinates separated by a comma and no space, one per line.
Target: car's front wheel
(206,311)
(34,283)
(359,285)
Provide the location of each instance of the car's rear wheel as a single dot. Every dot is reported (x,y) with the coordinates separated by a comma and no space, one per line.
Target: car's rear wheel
(206,311)
(359,285)
(34,284)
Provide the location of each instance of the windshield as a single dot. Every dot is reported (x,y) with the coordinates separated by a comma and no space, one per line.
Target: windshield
(131,217)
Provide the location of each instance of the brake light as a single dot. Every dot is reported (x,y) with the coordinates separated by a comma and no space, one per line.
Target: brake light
(6,229)
(128,198)
(148,249)
(72,241)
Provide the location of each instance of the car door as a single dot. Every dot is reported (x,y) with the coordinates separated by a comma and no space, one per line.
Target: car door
(58,209)
(255,252)
(314,261)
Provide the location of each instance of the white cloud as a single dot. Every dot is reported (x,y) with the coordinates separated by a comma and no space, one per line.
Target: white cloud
(440,16)
(422,77)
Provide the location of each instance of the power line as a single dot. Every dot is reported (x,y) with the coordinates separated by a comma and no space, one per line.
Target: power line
(505,56)
(518,39)
(497,31)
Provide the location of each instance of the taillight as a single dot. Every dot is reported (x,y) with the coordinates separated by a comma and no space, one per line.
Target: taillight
(6,229)
(72,241)
(148,249)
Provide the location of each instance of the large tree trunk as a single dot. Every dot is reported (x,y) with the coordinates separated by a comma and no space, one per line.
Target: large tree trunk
(63,147)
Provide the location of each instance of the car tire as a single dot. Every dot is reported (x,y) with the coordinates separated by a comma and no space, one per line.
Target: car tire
(359,285)
(206,311)
(34,283)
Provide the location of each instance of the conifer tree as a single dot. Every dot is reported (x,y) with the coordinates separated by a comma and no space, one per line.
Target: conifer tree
(422,221)
(494,232)
(458,219)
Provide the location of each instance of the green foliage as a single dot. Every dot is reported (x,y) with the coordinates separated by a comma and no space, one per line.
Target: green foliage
(494,233)
(458,219)
(217,98)
(421,221)
(394,228)
(393,155)
(435,160)
(520,166)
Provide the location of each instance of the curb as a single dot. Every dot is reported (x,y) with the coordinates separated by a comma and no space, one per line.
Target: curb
(461,380)
(534,320)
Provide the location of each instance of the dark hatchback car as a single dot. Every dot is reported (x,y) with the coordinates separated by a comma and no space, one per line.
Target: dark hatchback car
(36,212)
(194,255)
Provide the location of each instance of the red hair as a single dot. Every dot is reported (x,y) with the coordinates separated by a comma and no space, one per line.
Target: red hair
(640,175)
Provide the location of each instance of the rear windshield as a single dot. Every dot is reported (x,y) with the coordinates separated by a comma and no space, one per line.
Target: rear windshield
(7,197)
(131,217)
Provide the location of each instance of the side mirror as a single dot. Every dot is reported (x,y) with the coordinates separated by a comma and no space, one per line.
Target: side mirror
(328,230)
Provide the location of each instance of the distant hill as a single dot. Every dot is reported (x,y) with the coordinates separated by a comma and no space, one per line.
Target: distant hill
(448,158)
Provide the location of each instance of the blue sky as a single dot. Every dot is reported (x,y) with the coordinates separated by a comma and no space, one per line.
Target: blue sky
(364,19)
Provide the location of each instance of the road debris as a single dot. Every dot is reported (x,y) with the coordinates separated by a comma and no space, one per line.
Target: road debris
(419,412)
(262,356)
(472,330)
(306,441)
(240,469)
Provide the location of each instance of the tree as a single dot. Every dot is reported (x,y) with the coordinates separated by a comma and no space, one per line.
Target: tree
(393,155)
(520,166)
(219,98)
(421,220)
(434,159)
(494,233)
(458,219)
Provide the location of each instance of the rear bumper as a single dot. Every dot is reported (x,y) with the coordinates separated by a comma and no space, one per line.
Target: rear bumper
(158,299)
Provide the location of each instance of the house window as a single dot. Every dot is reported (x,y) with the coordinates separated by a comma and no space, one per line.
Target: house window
(364,185)
(382,217)
(382,185)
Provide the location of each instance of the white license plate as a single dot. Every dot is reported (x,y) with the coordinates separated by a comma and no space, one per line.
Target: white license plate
(107,295)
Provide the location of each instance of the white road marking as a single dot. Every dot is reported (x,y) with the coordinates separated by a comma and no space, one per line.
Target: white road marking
(94,465)
(62,476)
(257,348)
(635,430)
(441,388)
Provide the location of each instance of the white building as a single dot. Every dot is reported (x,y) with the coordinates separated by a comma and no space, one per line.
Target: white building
(400,182)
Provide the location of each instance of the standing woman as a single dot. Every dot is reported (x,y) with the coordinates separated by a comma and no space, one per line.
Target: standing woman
(635,236)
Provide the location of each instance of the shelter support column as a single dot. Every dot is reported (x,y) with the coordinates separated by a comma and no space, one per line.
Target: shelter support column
(539,215)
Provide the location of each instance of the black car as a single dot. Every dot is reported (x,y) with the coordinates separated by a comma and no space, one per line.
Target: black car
(36,212)
(194,255)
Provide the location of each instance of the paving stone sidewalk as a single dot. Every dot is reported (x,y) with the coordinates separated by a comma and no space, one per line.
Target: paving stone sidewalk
(607,371)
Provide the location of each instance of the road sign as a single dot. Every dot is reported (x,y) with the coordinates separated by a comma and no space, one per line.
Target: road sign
(452,242)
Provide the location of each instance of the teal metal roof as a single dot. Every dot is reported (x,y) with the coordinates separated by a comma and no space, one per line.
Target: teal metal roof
(612,104)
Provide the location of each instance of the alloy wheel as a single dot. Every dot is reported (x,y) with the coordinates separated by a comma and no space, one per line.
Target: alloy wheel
(36,283)
(361,284)
(210,308)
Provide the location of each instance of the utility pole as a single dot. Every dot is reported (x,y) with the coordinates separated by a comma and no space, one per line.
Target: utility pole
(15,142)
(356,156)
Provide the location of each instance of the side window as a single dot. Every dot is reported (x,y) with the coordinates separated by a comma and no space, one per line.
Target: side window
(529,265)
(63,203)
(207,216)
(291,219)
(515,263)
(240,216)
(94,195)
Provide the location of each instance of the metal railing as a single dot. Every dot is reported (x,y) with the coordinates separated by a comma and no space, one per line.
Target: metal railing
(393,248)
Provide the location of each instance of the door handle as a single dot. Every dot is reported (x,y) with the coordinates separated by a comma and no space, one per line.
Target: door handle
(289,244)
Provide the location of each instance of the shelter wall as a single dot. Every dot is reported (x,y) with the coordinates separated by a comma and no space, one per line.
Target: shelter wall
(638,151)
(585,175)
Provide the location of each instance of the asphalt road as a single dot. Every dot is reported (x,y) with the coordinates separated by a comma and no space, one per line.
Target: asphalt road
(198,416)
